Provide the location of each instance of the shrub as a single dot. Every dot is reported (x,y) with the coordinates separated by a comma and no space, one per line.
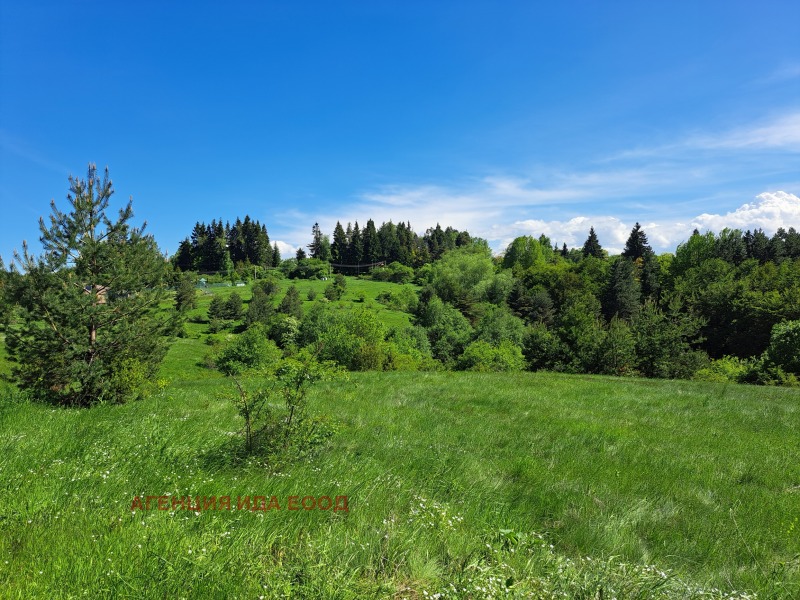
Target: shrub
(784,346)
(726,369)
(233,309)
(289,430)
(483,356)
(250,350)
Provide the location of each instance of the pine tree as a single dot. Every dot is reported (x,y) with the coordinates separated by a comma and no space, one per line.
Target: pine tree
(623,296)
(186,294)
(637,247)
(291,304)
(88,329)
(339,246)
(356,246)
(591,247)
(276,255)
(316,241)
(372,245)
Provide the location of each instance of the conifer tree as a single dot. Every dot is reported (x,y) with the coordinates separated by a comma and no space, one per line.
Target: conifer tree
(339,246)
(591,247)
(372,246)
(88,329)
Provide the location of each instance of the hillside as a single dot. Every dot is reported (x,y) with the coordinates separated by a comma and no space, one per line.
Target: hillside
(561,484)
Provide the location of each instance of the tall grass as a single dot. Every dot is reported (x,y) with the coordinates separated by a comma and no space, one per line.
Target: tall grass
(463,485)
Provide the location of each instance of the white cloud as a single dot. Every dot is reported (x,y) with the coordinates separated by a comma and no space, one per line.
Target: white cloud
(286,250)
(769,212)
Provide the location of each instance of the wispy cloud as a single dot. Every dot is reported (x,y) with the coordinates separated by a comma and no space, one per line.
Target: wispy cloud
(667,188)
(784,73)
(781,133)
(21,149)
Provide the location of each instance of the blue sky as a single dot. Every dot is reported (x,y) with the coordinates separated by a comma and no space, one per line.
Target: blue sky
(505,118)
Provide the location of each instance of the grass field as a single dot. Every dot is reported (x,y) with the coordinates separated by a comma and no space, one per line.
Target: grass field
(459,484)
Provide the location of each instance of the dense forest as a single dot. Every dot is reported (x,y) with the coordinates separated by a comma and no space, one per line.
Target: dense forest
(723,307)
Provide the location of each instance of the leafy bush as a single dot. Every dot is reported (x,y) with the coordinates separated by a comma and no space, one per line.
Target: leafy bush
(726,369)
(403,298)
(784,346)
(287,431)
(250,350)
(483,356)
(543,349)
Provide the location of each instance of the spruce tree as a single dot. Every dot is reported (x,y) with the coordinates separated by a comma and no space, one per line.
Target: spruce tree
(372,245)
(88,329)
(591,247)
(291,304)
(339,246)
(637,247)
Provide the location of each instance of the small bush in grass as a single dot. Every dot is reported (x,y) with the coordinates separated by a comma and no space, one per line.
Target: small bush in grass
(274,406)
(251,350)
(726,369)
(312,294)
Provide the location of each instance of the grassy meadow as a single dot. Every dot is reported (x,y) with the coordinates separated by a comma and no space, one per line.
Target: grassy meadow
(460,485)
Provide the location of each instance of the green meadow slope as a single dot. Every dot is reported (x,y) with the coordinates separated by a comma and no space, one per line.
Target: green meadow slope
(465,485)
(532,485)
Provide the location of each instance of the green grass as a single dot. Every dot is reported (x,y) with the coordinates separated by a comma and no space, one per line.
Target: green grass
(451,477)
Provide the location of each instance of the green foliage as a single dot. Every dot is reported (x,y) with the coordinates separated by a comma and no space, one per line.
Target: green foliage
(394,272)
(288,431)
(336,289)
(728,369)
(216,309)
(784,346)
(497,325)
(448,330)
(459,277)
(591,247)
(485,357)
(284,330)
(404,298)
(663,343)
(251,350)
(291,304)
(307,268)
(623,295)
(543,349)
(233,309)
(186,294)
(260,309)
(617,350)
(88,306)
(581,330)
(353,338)
(526,252)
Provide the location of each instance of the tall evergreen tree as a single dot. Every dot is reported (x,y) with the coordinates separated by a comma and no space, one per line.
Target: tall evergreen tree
(372,245)
(637,247)
(356,249)
(623,295)
(276,255)
(339,246)
(316,241)
(591,247)
(88,330)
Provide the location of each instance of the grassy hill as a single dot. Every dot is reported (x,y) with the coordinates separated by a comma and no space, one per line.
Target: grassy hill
(459,484)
